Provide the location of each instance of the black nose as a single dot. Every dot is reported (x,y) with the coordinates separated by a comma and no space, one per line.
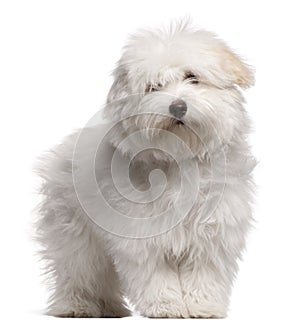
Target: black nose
(178,108)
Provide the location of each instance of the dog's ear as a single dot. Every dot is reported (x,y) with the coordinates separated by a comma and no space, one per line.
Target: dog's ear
(236,69)
(119,88)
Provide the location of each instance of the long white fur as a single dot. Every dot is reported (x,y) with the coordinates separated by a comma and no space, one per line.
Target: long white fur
(189,270)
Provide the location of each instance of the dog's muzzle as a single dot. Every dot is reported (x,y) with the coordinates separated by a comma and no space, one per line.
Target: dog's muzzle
(178,108)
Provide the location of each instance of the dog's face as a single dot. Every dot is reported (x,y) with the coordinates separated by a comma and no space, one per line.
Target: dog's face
(184,82)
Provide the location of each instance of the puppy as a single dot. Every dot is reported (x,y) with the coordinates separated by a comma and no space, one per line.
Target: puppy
(154,203)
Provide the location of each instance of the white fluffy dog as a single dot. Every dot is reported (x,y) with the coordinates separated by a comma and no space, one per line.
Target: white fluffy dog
(155,204)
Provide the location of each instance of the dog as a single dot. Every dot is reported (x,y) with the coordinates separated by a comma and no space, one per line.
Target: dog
(153,204)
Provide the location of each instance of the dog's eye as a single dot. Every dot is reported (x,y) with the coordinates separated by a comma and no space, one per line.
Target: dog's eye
(153,87)
(191,78)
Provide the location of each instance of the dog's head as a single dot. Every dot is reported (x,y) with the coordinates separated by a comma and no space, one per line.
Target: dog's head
(183,81)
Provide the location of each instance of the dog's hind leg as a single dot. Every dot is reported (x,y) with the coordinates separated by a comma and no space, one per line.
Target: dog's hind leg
(84,280)
(82,276)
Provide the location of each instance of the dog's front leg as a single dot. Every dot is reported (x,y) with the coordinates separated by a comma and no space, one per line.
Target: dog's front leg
(152,286)
(206,285)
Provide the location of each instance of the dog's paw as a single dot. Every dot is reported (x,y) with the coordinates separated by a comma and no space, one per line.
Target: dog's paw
(207,311)
(72,306)
(165,310)
(73,314)
(115,310)
(89,310)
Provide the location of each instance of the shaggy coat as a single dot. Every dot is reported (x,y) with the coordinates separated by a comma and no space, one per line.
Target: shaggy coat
(152,206)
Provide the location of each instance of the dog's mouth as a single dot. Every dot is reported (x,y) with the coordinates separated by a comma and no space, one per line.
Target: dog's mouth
(176,122)
(160,122)
(179,123)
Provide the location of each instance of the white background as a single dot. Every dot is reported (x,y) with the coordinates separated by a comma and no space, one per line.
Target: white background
(56,57)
